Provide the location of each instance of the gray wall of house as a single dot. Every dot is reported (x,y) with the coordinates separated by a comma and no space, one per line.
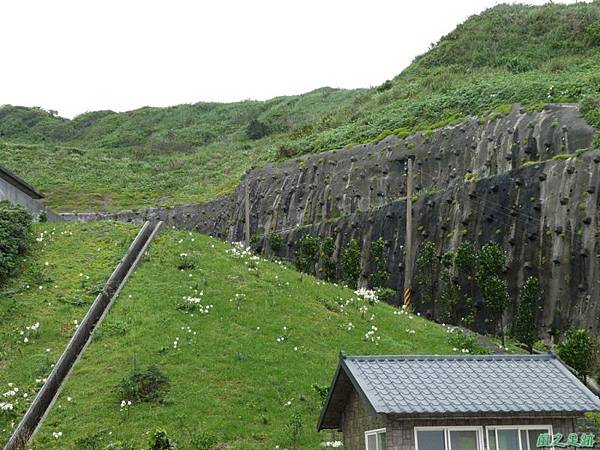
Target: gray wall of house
(400,433)
(356,420)
(15,195)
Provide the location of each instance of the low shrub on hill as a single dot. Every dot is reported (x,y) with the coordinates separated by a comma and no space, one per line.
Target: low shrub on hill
(160,441)
(15,237)
(150,385)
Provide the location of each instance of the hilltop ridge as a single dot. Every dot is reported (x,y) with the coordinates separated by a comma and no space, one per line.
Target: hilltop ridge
(193,153)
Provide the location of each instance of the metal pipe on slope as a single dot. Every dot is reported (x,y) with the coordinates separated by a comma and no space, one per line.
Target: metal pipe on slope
(41,405)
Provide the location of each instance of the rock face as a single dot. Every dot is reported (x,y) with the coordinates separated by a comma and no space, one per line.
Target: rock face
(495,181)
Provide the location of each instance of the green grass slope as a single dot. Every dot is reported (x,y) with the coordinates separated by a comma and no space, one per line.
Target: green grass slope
(508,54)
(38,308)
(238,372)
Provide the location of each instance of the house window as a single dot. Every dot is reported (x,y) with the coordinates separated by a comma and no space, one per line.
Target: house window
(449,438)
(376,439)
(515,437)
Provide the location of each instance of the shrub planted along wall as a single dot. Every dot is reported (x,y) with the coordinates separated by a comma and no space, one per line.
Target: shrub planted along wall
(15,237)
(448,286)
(328,263)
(381,275)
(307,254)
(351,263)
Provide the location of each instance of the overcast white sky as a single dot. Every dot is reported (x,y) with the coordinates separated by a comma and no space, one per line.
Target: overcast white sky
(75,56)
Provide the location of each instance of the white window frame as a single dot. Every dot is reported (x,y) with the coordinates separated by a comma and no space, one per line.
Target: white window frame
(514,427)
(374,432)
(481,440)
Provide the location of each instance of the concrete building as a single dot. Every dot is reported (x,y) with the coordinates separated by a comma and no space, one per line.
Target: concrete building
(490,402)
(16,190)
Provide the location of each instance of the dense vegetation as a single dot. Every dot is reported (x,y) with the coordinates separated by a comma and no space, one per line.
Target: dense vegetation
(449,285)
(207,346)
(579,351)
(42,302)
(189,153)
(15,237)
(523,327)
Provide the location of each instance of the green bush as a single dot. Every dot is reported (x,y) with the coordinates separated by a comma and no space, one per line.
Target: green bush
(530,304)
(449,286)
(491,259)
(307,253)
(186,263)
(466,258)
(275,242)
(578,350)
(450,291)
(256,129)
(426,280)
(387,85)
(381,275)
(351,263)
(160,441)
(328,262)
(15,237)
(150,385)
(592,33)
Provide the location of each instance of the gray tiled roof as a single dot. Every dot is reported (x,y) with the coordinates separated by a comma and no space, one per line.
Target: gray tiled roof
(468,385)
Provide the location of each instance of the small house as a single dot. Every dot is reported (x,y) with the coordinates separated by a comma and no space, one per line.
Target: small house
(16,190)
(487,402)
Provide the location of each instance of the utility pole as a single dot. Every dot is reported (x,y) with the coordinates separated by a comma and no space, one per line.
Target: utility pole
(247,210)
(408,267)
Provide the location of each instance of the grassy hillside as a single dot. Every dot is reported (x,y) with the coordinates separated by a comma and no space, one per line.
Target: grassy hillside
(152,156)
(241,366)
(528,54)
(61,276)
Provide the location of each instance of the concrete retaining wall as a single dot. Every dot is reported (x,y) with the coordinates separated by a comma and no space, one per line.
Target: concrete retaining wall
(211,218)
(44,399)
(520,180)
